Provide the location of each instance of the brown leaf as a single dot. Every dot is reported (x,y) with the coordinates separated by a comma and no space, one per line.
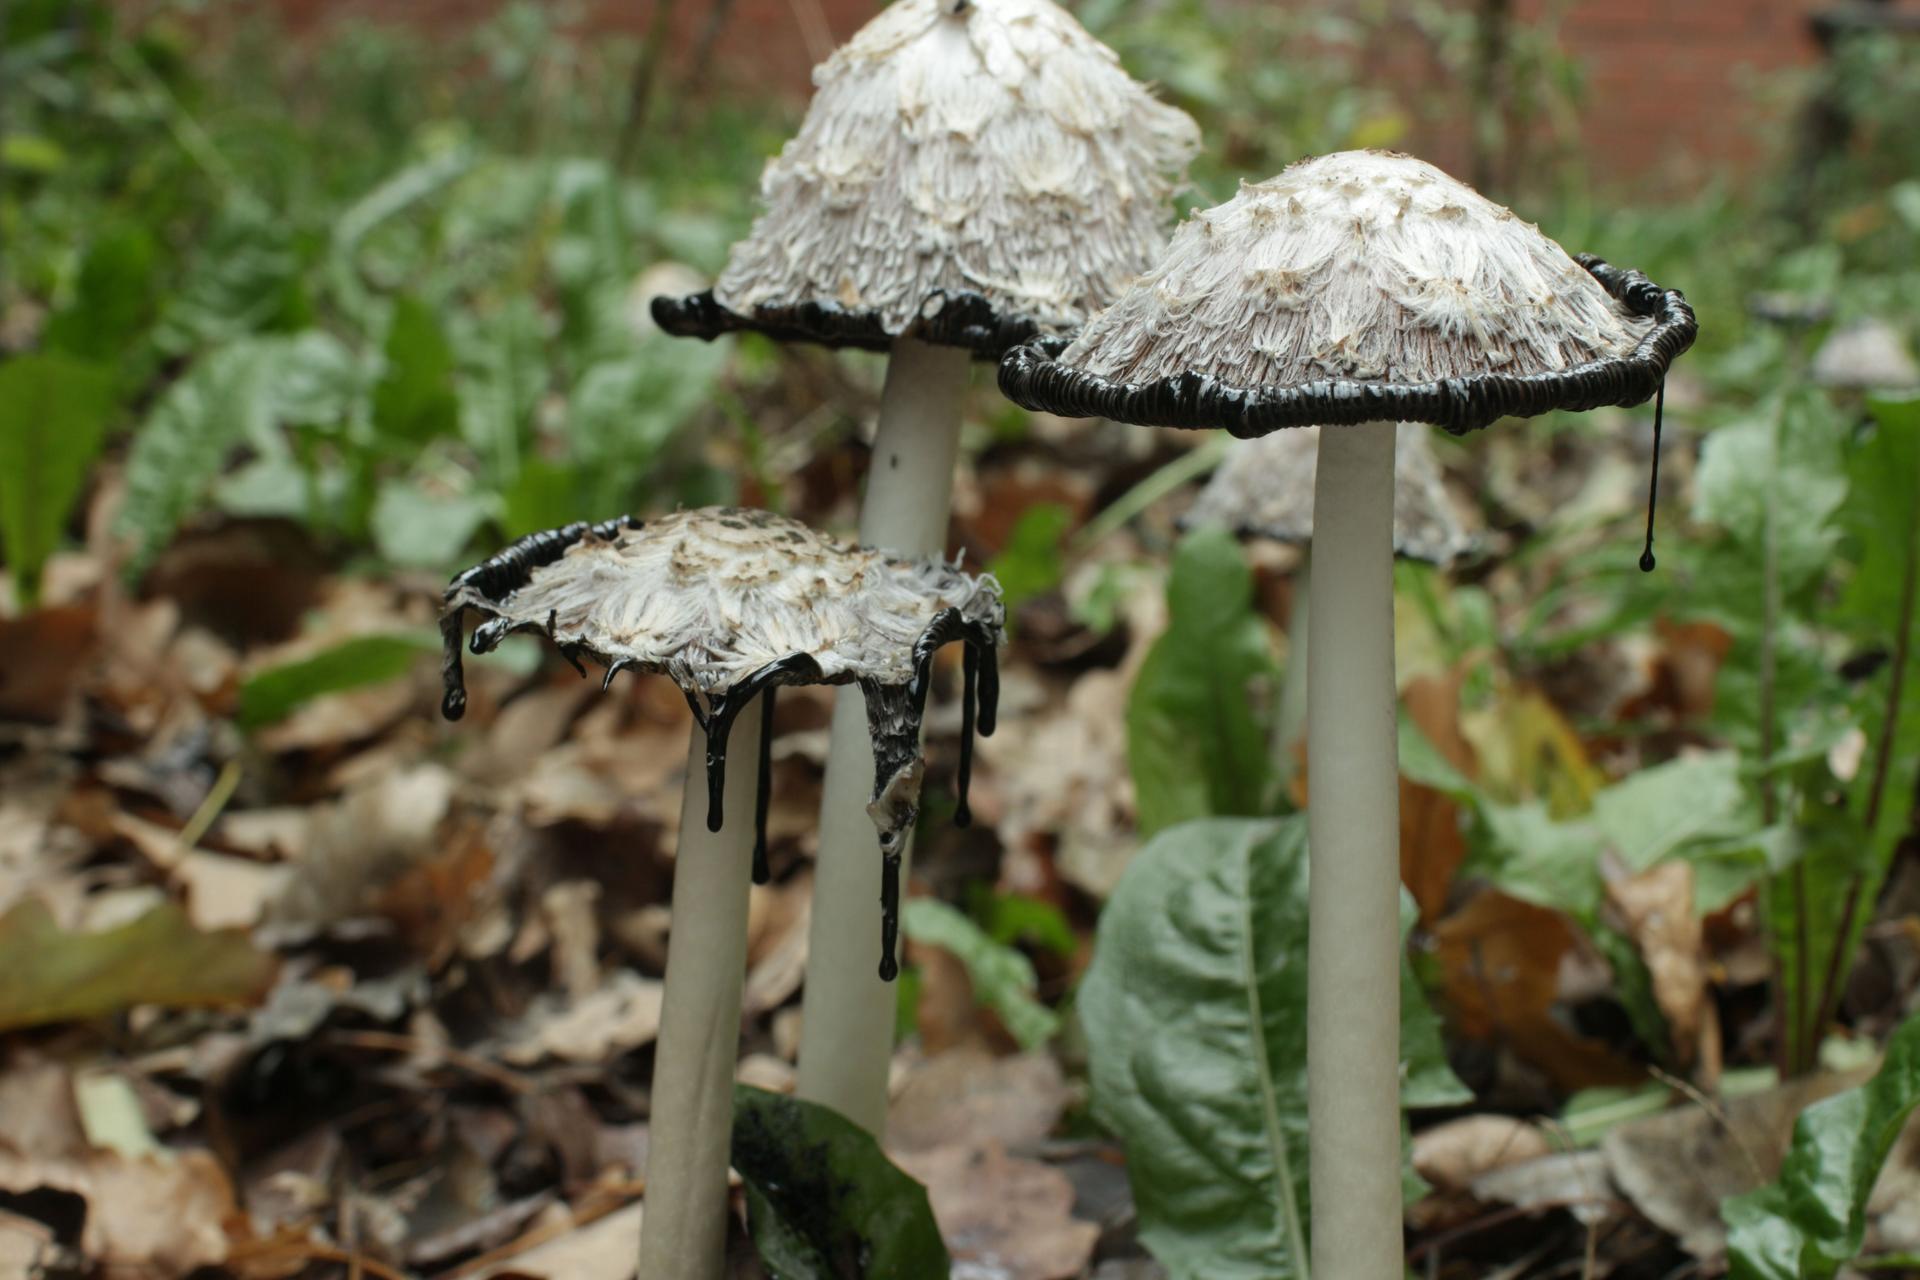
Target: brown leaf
(42,656)
(48,974)
(971,1096)
(1655,910)
(622,1015)
(1015,1215)
(1452,1155)
(601,1250)
(150,1216)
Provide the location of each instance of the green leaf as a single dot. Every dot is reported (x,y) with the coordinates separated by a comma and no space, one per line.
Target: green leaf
(115,297)
(1811,1221)
(1782,467)
(1650,815)
(414,400)
(1198,718)
(1002,978)
(53,416)
(823,1201)
(245,279)
(1195,1016)
(238,394)
(48,974)
(1826,849)
(275,693)
(422,530)
(1031,563)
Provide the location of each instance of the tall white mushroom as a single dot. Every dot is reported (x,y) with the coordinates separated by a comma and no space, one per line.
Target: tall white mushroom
(1358,290)
(732,604)
(1264,489)
(970,174)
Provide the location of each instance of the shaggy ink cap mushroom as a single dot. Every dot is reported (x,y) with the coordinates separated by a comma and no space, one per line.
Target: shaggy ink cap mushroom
(1264,489)
(1359,287)
(731,604)
(971,173)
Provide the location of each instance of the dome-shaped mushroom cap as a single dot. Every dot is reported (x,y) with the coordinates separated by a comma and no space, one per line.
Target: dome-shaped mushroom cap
(714,597)
(1264,489)
(1354,287)
(970,172)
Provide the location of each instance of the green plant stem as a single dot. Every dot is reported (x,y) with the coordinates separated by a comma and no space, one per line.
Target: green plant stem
(846,1029)
(1194,463)
(1882,766)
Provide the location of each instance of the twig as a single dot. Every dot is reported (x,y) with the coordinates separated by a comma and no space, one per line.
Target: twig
(209,811)
(646,70)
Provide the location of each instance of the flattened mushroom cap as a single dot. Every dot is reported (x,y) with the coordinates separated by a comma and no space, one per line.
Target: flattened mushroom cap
(970,172)
(1264,489)
(1357,287)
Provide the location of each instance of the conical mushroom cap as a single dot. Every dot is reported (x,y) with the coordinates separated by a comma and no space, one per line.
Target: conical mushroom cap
(971,172)
(1356,287)
(1264,489)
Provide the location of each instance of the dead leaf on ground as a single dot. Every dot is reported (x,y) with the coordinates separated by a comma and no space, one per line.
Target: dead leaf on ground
(1574,1180)
(621,1016)
(146,1216)
(1015,1215)
(42,657)
(49,974)
(602,1250)
(970,1096)
(1655,910)
(1452,1155)
(362,843)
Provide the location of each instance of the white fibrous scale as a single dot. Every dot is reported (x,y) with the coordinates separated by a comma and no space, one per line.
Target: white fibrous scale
(1361,265)
(1264,489)
(991,147)
(712,596)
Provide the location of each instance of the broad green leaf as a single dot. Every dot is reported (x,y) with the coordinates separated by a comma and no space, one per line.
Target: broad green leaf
(1031,563)
(53,415)
(422,530)
(823,1201)
(1811,1221)
(1530,856)
(1651,814)
(1199,715)
(275,693)
(244,280)
(1778,476)
(415,400)
(48,974)
(1003,979)
(1195,1017)
(115,297)
(240,394)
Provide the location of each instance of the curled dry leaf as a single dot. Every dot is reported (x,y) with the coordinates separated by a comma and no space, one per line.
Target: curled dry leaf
(363,843)
(149,1216)
(1452,1155)
(1655,908)
(622,1015)
(1575,1181)
(969,1095)
(995,1210)
(599,1250)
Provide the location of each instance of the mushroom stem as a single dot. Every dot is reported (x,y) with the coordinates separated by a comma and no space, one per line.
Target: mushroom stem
(1290,722)
(691,1123)
(1353,826)
(846,1031)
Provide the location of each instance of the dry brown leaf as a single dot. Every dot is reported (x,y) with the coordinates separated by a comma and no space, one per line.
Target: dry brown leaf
(1452,1155)
(1015,1215)
(602,1250)
(970,1096)
(571,911)
(42,1117)
(777,919)
(1655,910)
(622,1015)
(362,843)
(1575,1181)
(147,1217)
(42,657)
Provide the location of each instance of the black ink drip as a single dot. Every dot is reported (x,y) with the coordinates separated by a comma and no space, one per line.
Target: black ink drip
(889,915)
(453,699)
(970,668)
(1653,485)
(764,799)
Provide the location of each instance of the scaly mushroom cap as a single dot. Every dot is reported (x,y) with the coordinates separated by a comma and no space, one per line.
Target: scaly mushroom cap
(1264,489)
(731,604)
(1357,287)
(971,172)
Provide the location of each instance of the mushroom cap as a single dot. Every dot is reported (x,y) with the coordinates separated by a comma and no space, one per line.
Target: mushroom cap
(1357,287)
(970,172)
(725,599)
(1264,489)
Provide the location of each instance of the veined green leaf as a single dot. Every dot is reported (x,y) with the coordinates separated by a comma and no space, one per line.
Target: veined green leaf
(53,416)
(277,692)
(1002,978)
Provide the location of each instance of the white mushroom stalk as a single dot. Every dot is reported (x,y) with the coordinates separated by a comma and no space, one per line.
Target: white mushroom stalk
(1264,489)
(732,604)
(1358,290)
(970,174)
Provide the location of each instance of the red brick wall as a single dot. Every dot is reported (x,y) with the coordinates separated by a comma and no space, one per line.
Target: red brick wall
(1675,89)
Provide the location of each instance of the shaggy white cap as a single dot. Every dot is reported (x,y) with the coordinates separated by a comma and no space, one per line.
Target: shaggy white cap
(1361,265)
(991,147)
(712,596)
(1264,489)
